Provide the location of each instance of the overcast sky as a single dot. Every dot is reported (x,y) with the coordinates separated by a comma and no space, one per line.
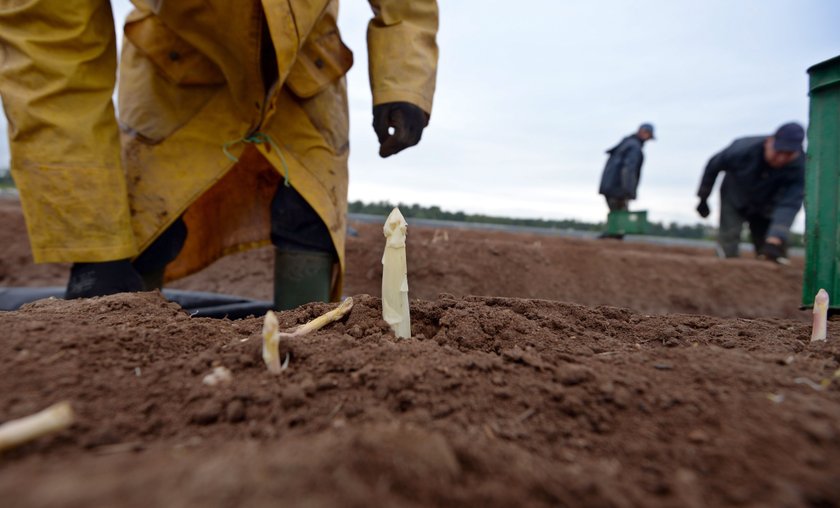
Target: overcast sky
(529,97)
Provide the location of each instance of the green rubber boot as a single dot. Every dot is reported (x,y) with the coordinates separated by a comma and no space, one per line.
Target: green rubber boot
(301,277)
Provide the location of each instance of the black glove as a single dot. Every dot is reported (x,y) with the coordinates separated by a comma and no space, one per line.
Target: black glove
(99,279)
(773,252)
(703,208)
(408,122)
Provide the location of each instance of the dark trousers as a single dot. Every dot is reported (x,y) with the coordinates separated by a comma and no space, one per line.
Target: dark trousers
(732,223)
(151,263)
(296,226)
(617,204)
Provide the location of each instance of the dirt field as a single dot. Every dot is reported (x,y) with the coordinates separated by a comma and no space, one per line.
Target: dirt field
(549,399)
(646,278)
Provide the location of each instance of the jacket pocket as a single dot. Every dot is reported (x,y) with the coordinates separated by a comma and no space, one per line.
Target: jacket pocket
(174,57)
(320,62)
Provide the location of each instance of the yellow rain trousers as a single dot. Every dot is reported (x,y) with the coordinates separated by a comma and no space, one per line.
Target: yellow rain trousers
(190,89)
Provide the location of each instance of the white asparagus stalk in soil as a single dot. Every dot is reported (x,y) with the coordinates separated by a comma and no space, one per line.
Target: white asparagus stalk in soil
(272,333)
(53,419)
(271,341)
(395,309)
(820,327)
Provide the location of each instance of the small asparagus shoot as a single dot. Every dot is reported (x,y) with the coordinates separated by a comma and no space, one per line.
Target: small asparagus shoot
(53,419)
(272,333)
(271,342)
(324,319)
(820,316)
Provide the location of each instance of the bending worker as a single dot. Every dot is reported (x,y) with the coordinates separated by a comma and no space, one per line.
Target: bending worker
(764,187)
(623,170)
(233,132)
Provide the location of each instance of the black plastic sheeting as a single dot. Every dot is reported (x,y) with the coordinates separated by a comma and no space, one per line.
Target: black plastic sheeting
(196,303)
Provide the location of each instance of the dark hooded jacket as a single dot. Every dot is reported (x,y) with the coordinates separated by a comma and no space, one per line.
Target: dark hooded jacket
(623,169)
(755,188)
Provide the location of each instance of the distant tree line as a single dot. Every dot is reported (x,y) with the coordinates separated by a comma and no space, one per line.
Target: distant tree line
(434,212)
(6,179)
(383,208)
(673,230)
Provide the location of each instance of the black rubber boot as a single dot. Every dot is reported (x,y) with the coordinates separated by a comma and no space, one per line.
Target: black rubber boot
(100,279)
(301,277)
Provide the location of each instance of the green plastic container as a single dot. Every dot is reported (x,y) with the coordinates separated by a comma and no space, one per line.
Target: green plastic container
(627,223)
(822,185)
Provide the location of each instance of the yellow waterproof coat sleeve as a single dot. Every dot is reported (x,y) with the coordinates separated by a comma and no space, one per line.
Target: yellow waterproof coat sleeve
(191,84)
(403,50)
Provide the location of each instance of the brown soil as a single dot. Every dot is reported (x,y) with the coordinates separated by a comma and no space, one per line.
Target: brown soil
(493,401)
(646,278)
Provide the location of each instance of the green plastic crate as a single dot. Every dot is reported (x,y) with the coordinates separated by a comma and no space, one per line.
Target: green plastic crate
(822,185)
(627,223)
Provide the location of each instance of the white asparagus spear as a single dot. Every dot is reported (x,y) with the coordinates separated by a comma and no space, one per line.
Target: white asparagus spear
(272,333)
(271,341)
(395,309)
(53,419)
(820,316)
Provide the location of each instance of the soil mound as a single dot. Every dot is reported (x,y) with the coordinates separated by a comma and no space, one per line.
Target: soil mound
(492,402)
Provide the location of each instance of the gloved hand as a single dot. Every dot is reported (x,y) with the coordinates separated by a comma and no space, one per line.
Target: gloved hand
(773,252)
(703,208)
(99,279)
(408,122)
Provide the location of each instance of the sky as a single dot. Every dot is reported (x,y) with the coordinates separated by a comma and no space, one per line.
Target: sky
(528,99)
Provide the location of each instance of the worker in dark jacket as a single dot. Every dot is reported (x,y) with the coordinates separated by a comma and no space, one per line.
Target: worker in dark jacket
(764,187)
(623,170)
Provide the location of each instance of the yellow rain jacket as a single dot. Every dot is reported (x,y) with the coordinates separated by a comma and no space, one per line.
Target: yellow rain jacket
(190,89)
